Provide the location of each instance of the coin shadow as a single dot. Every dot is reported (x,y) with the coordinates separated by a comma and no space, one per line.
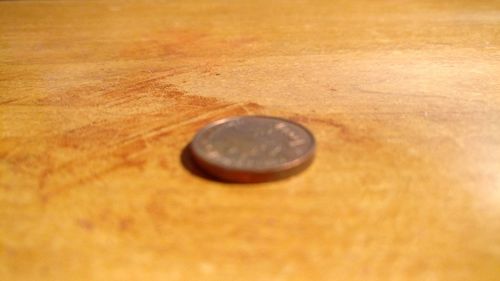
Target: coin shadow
(187,161)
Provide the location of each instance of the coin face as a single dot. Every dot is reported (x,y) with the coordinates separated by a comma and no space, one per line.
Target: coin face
(253,148)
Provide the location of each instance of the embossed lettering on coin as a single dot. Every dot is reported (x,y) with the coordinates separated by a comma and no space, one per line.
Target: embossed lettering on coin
(253,148)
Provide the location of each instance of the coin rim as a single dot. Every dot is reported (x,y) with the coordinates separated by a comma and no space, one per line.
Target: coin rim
(222,170)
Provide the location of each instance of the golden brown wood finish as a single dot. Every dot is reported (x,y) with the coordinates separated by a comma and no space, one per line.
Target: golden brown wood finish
(99,99)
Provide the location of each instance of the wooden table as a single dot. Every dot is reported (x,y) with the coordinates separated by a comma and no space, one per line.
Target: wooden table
(98,101)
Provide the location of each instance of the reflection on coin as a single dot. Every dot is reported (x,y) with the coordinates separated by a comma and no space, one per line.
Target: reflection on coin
(253,148)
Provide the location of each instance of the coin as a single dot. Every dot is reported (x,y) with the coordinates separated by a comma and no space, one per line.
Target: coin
(253,148)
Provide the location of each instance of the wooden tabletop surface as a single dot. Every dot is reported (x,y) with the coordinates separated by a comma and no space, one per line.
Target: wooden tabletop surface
(98,101)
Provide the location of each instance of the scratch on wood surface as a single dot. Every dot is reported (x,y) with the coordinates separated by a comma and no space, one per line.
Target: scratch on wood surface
(161,130)
(129,152)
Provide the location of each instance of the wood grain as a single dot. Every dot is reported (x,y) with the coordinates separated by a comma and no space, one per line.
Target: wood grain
(98,100)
